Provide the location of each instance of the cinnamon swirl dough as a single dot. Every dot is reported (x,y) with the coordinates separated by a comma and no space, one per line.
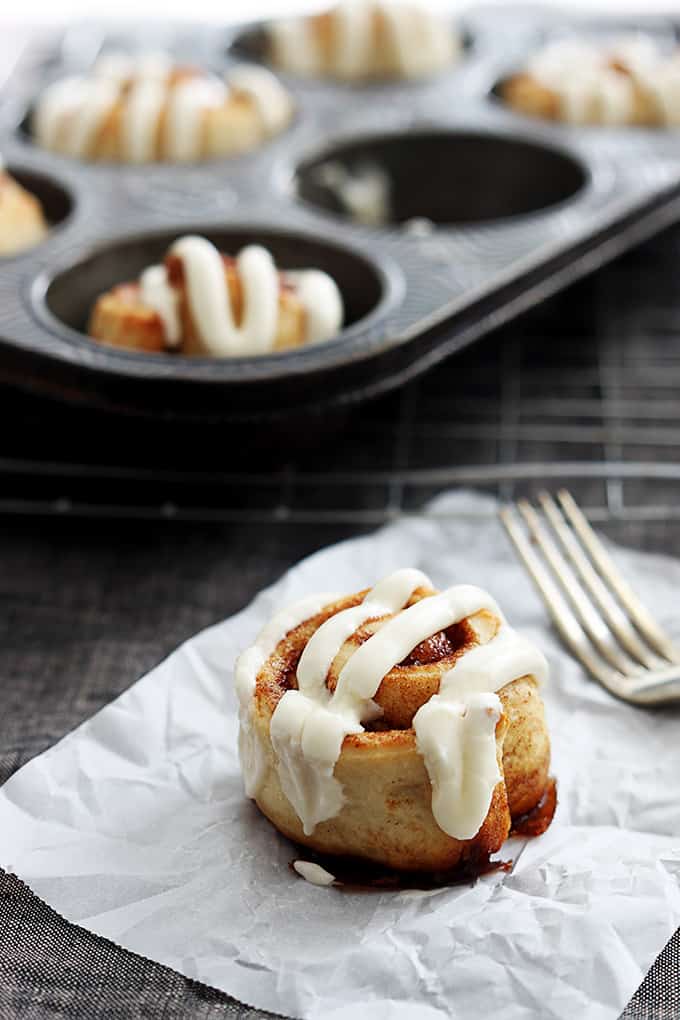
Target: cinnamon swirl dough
(146,109)
(625,82)
(365,39)
(22,221)
(399,724)
(202,302)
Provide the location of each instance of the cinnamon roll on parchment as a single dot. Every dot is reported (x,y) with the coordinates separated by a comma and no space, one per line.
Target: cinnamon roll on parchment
(146,109)
(200,301)
(359,39)
(399,725)
(22,220)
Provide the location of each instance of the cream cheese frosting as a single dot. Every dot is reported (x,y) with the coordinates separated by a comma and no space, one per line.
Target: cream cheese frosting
(313,873)
(455,730)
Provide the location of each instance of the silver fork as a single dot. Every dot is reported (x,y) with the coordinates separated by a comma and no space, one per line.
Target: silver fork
(598,615)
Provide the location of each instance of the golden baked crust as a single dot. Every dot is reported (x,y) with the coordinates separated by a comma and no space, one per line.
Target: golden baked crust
(119,317)
(527,95)
(22,221)
(387,815)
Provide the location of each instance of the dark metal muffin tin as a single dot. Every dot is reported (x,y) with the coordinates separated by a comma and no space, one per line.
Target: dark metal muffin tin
(520,208)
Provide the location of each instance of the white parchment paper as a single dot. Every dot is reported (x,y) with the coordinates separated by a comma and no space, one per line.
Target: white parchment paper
(135,827)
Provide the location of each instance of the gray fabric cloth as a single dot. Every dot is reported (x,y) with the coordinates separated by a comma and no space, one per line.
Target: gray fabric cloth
(89,604)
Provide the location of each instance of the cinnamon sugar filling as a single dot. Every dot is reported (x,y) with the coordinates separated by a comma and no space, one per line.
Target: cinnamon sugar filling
(403,690)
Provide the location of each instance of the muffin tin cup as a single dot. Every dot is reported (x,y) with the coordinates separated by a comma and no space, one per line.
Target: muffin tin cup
(488,212)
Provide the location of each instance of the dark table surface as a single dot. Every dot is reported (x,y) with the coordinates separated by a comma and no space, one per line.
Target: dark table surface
(118,541)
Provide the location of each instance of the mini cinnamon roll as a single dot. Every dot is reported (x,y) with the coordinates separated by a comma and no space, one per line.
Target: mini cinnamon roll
(22,221)
(148,109)
(399,725)
(365,39)
(202,302)
(624,82)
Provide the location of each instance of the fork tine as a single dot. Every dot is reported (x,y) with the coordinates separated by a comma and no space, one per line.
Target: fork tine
(590,619)
(657,688)
(612,612)
(566,623)
(638,613)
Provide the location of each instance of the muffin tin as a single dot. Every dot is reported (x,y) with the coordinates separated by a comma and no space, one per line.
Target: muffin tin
(491,212)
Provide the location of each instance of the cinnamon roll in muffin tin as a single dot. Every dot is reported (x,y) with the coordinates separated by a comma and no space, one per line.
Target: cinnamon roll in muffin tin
(437,209)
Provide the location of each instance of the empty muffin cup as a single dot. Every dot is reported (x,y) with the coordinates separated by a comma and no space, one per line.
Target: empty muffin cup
(448,178)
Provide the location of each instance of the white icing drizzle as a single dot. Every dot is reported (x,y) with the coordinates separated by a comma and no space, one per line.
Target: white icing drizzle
(322,302)
(141,118)
(352,38)
(417,41)
(70,112)
(663,84)
(616,97)
(602,95)
(156,292)
(313,873)
(248,665)
(96,104)
(58,103)
(455,730)
(295,47)
(440,46)
(185,117)
(210,305)
(266,92)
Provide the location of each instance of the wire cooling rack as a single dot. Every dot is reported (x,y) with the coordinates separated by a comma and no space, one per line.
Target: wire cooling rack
(582,391)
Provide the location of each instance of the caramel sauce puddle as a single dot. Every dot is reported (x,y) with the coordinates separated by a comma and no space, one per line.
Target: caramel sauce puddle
(536,821)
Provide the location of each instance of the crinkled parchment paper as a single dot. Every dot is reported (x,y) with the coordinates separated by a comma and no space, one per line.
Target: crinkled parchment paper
(135,827)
